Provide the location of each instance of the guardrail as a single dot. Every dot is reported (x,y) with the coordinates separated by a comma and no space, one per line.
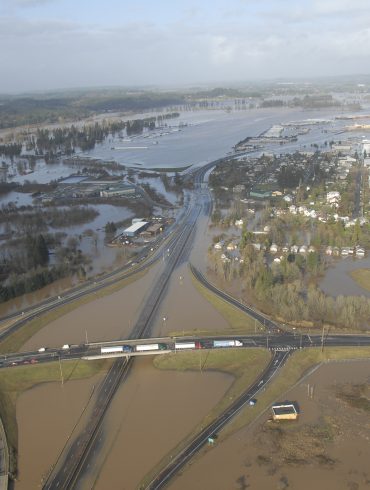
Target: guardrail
(4,455)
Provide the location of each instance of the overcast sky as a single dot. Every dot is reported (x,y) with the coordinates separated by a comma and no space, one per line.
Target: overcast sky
(47,44)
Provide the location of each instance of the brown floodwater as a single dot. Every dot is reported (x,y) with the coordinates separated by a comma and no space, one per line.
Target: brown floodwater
(233,463)
(107,318)
(149,415)
(22,302)
(184,309)
(46,416)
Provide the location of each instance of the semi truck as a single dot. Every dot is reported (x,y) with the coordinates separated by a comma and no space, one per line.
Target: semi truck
(227,343)
(189,345)
(184,345)
(115,349)
(146,347)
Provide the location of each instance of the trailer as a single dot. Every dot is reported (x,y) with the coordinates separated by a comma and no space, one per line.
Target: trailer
(227,343)
(115,349)
(184,345)
(147,347)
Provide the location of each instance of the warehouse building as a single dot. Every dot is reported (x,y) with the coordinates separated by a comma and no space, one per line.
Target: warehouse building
(135,229)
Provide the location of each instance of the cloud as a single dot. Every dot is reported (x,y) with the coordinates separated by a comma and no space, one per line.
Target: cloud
(49,53)
(31,3)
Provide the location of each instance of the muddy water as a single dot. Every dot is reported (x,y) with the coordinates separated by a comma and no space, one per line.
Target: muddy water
(150,414)
(108,318)
(18,304)
(46,416)
(184,309)
(232,464)
(337,280)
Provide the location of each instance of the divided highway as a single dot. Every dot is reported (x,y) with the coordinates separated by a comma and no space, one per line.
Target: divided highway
(75,458)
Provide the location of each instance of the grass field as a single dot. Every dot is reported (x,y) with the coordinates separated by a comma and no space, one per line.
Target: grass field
(16,380)
(362,277)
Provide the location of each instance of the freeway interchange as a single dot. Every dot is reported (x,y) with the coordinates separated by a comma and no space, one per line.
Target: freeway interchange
(77,455)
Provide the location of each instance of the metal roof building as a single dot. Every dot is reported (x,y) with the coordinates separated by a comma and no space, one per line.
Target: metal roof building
(136,228)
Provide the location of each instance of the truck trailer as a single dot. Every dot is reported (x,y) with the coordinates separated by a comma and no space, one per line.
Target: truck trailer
(115,349)
(184,345)
(146,347)
(227,343)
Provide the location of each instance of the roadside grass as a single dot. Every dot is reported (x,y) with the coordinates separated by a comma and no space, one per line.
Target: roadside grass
(240,322)
(15,341)
(244,365)
(362,277)
(15,380)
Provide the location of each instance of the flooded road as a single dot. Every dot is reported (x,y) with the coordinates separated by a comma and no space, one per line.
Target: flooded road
(254,456)
(150,414)
(185,310)
(46,416)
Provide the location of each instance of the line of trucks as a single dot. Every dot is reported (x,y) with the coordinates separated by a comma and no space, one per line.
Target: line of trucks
(115,349)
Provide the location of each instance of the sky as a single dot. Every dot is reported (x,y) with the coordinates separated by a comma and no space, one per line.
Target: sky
(52,44)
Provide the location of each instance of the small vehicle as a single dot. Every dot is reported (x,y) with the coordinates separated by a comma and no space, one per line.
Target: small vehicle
(42,349)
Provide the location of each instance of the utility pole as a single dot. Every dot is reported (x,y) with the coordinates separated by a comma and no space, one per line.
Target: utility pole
(322,339)
(61,371)
(87,340)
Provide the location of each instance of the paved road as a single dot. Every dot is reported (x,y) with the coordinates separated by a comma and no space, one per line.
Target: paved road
(213,428)
(72,464)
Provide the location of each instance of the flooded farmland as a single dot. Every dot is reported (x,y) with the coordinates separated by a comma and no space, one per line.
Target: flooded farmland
(337,280)
(107,318)
(149,415)
(46,416)
(327,448)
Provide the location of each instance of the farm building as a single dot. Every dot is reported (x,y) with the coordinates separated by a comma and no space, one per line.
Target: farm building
(284,411)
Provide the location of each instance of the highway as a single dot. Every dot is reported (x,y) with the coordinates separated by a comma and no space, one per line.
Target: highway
(80,450)
(72,463)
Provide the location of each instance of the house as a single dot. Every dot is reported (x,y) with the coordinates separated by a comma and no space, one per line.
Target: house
(333,198)
(284,411)
(293,209)
(360,252)
(288,198)
(329,250)
(218,246)
(231,246)
(239,223)
(277,260)
(274,248)
(336,251)
(294,249)
(285,249)
(303,249)
(311,249)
